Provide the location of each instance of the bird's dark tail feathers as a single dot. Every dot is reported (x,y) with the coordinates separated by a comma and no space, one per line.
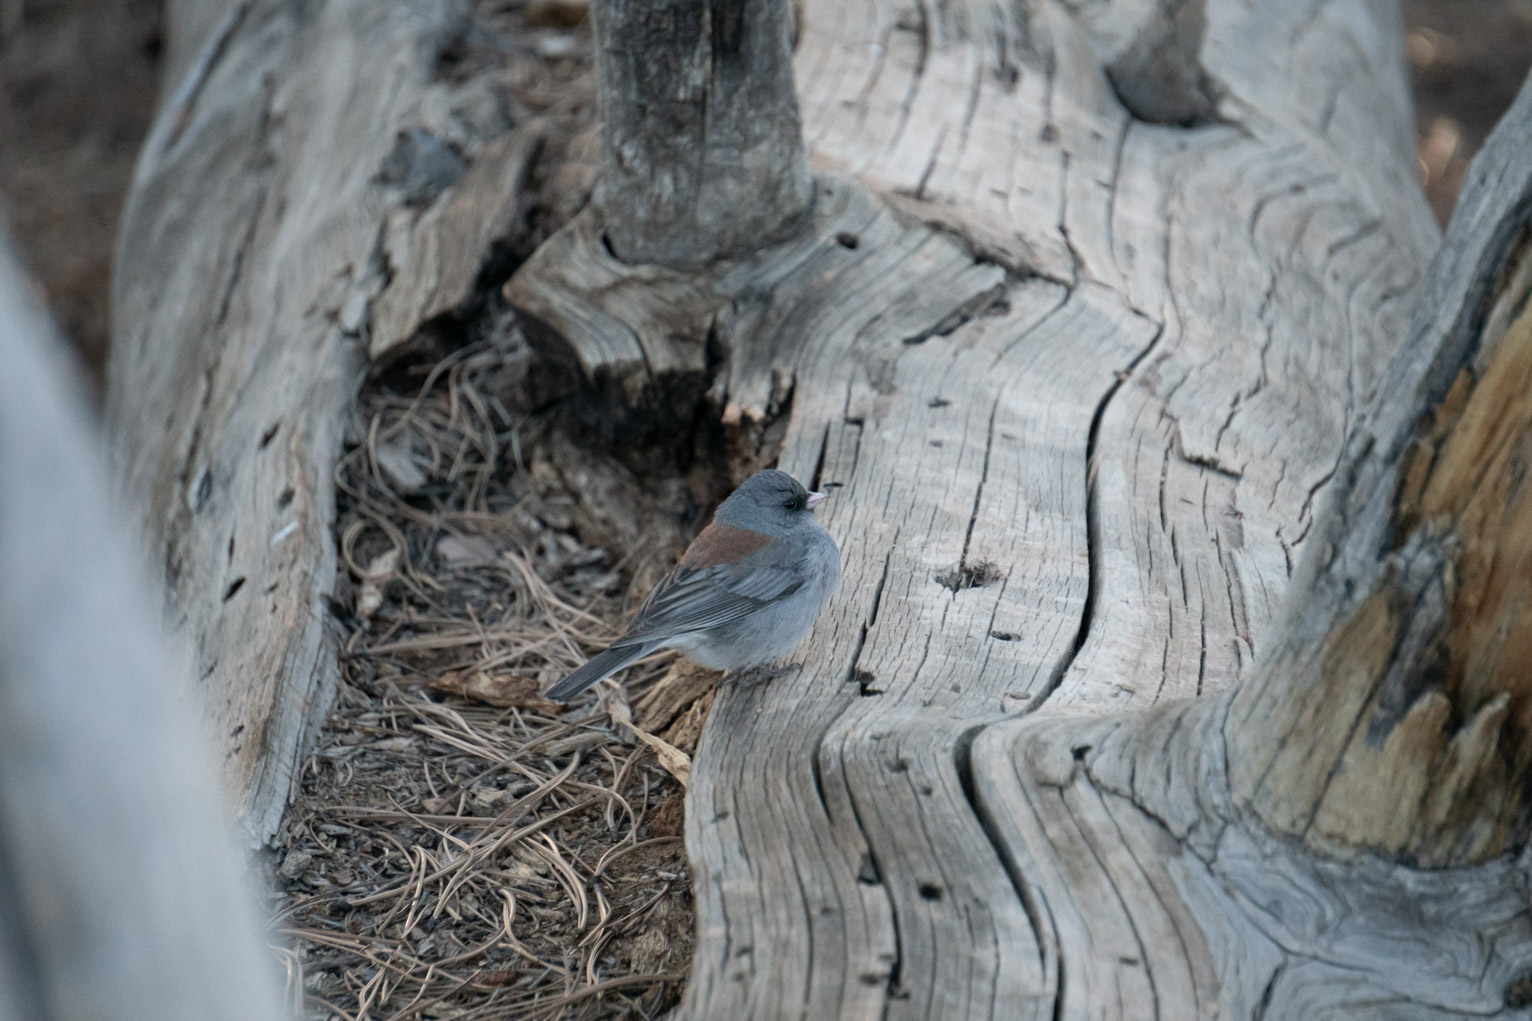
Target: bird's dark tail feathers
(597,668)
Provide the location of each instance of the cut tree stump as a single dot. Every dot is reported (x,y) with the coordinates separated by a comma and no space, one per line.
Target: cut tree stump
(1093,311)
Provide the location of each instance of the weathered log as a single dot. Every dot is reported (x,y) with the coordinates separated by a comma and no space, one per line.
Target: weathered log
(315,187)
(1344,835)
(1120,362)
(123,896)
(1393,713)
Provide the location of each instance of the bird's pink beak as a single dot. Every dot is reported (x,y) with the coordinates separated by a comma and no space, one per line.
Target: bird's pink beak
(815,499)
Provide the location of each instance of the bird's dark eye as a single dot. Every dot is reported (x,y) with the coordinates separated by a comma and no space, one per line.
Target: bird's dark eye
(792,504)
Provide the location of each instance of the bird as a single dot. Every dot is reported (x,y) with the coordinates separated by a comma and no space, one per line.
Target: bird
(746,591)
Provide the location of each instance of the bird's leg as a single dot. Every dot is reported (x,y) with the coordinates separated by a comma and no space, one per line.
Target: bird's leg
(764,674)
(750,677)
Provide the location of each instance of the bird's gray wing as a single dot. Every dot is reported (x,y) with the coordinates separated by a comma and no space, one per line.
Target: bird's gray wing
(693,599)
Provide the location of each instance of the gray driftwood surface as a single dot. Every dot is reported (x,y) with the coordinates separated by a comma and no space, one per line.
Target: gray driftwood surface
(1089,299)
(122,897)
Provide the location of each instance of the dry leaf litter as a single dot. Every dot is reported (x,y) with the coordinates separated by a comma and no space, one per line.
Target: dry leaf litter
(461,847)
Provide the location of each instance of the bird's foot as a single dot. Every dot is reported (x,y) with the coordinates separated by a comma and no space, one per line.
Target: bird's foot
(757,675)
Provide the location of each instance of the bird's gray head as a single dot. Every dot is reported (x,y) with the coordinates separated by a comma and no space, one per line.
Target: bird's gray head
(769,501)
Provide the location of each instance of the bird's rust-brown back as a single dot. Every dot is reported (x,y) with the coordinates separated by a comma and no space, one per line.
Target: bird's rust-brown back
(723,544)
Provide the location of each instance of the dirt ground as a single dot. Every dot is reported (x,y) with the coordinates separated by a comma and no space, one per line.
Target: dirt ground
(461,848)
(78,80)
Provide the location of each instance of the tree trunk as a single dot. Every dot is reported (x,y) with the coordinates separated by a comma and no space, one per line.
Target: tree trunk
(701,145)
(123,896)
(1086,303)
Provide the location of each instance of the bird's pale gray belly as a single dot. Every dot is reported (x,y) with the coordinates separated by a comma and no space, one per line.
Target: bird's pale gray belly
(771,632)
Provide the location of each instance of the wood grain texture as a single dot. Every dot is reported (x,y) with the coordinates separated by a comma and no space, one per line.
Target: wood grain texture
(1344,835)
(1078,382)
(300,200)
(1158,900)
(124,897)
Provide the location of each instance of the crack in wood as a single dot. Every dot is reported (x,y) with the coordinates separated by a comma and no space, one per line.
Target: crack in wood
(978,574)
(864,678)
(1092,511)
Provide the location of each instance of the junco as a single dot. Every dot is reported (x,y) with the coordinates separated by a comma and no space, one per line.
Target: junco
(746,591)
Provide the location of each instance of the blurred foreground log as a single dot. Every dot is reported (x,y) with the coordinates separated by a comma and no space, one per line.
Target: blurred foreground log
(123,896)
